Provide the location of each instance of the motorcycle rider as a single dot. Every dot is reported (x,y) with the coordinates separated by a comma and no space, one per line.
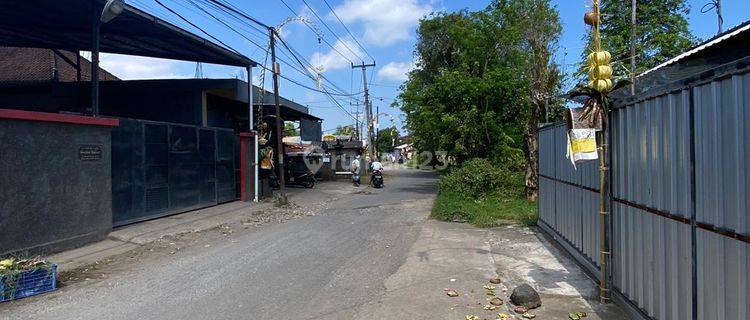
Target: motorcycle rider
(376,166)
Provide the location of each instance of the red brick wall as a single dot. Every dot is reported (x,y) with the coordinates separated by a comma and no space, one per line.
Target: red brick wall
(33,64)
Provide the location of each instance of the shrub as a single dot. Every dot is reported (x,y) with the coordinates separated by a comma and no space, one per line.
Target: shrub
(476,178)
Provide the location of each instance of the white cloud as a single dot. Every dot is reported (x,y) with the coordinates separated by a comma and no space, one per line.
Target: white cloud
(396,70)
(385,21)
(133,67)
(335,59)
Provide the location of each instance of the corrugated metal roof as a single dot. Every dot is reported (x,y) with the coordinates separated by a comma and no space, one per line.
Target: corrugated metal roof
(66,25)
(744,27)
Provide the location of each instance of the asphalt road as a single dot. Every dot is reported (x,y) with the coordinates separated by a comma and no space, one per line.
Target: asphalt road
(325,266)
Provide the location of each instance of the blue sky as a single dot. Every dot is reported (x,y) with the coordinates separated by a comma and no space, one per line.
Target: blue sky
(385,28)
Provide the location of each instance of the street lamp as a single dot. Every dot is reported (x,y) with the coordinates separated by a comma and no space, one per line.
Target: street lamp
(112,9)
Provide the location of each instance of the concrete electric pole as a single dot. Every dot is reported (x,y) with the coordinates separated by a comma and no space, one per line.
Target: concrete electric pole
(368,108)
(279,123)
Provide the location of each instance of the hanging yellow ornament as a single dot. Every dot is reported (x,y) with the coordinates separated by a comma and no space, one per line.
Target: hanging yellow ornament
(600,72)
(599,58)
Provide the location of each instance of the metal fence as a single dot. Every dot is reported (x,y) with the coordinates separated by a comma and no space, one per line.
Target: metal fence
(680,236)
(161,168)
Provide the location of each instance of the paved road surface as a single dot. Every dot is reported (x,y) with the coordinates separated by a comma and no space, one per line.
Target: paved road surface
(319,267)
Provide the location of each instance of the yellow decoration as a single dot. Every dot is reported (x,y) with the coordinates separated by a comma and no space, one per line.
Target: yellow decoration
(602,72)
(7,262)
(601,85)
(599,58)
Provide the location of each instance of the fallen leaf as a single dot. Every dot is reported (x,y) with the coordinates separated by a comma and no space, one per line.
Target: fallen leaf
(496,301)
(503,316)
(528,315)
(452,293)
(520,309)
(489,307)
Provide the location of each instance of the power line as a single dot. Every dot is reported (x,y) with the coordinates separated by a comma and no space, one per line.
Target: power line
(347,30)
(197,27)
(341,91)
(331,30)
(239,12)
(227,25)
(313,29)
(229,9)
(296,56)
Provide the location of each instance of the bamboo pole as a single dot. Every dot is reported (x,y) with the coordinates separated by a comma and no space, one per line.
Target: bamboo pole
(603,216)
(603,211)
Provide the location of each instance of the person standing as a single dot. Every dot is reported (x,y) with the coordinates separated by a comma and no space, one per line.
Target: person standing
(355,171)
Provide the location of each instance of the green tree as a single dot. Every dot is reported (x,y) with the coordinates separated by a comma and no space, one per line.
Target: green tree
(482,81)
(662,32)
(538,24)
(386,139)
(290,130)
(344,130)
(466,94)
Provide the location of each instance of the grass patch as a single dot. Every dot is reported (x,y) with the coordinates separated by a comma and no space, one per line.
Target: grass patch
(491,211)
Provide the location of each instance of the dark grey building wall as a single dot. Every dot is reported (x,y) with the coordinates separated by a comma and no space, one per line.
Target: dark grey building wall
(50,199)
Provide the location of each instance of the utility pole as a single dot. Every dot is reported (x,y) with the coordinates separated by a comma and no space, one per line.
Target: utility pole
(358,133)
(377,128)
(368,107)
(279,138)
(633,34)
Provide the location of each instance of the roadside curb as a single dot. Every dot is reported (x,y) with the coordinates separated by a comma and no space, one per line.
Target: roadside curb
(130,237)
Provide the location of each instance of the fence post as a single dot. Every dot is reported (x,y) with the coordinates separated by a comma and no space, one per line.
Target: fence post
(693,217)
(603,216)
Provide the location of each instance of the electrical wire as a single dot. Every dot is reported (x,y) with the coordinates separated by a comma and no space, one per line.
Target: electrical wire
(347,30)
(229,9)
(197,27)
(320,36)
(341,92)
(331,30)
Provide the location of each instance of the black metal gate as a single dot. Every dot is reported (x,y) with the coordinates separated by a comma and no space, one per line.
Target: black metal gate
(160,169)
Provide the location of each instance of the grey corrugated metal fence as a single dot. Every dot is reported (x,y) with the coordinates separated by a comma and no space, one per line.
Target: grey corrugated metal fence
(680,186)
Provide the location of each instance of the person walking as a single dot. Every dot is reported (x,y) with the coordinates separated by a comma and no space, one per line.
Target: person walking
(355,171)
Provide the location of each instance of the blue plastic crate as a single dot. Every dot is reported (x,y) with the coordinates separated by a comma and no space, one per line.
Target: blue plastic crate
(29,283)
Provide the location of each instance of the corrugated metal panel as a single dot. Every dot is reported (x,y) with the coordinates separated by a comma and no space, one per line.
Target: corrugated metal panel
(565,204)
(651,168)
(723,277)
(652,187)
(722,179)
(652,262)
(722,188)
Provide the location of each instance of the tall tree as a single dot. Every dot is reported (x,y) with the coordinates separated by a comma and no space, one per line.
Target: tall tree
(662,31)
(538,25)
(466,95)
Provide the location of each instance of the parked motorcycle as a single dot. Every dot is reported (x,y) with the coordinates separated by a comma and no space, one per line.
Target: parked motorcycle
(306,180)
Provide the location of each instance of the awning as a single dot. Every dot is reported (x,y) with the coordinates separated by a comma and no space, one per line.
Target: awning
(68,25)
